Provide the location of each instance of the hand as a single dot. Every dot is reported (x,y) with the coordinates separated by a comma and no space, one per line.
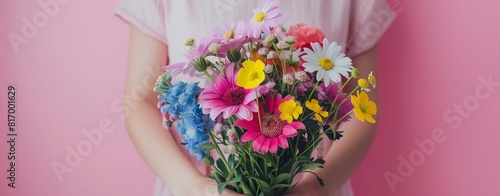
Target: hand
(208,187)
(308,188)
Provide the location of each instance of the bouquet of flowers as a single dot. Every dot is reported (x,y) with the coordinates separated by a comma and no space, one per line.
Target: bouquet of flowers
(266,96)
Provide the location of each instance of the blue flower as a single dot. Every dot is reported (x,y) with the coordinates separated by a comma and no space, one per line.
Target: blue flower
(181,102)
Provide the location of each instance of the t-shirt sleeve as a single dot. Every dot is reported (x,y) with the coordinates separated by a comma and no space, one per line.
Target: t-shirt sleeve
(369,20)
(147,15)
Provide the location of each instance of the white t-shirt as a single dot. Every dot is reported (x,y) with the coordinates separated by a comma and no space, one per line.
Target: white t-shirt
(356,25)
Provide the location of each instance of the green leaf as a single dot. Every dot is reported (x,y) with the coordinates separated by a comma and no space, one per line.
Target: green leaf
(320,160)
(208,147)
(221,186)
(263,185)
(230,160)
(311,124)
(311,166)
(260,156)
(282,177)
(320,181)
(236,179)
(281,186)
(222,167)
(271,177)
(333,135)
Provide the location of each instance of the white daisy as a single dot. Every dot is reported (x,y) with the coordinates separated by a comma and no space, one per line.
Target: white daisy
(372,79)
(327,61)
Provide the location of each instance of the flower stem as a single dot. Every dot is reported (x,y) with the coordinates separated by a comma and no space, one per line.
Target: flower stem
(312,91)
(333,124)
(217,148)
(342,102)
(208,76)
(258,109)
(340,90)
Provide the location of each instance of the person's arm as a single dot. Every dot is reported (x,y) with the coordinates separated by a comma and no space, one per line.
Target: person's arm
(155,144)
(345,155)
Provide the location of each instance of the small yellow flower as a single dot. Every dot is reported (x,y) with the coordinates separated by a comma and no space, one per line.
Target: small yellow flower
(251,75)
(289,110)
(364,84)
(372,80)
(363,107)
(314,106)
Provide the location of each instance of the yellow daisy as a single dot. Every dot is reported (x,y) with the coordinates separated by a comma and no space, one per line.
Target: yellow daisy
(363,107)
(251,75)
(314,106)
(289,110)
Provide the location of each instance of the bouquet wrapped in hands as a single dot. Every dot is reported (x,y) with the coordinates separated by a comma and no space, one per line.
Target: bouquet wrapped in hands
(265,99)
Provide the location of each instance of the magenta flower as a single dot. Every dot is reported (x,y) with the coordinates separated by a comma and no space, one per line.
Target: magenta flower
(274,132)
(344,108)
(224,96)
(263,19)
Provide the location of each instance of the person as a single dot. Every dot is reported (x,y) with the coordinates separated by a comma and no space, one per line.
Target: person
(159,29)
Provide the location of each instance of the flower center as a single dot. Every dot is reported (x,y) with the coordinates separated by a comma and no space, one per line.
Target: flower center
(363,83)
(326,63)
(254,76)
(372,79)
(229,34)
(234,96)
(362,107)
(259,16)
(272,125)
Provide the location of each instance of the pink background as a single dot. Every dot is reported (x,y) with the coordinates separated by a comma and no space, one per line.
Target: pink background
(70,76)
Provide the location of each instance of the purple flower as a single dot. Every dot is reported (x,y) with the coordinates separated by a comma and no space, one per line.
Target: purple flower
(263,19)
(342,103)
(195,56)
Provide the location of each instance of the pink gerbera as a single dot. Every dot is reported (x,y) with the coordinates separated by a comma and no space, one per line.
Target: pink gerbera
(274,131)
(224,96)
(263,19)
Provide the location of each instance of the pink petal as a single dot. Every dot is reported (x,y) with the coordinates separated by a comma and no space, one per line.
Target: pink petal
(257,143)
(221,85)
(297,125)
(265,146)
(270,100)
(289,131)
(230,73)
(248,125)
(250,135)
(273,146)
(283,142)
(229,111)
(288,97)
(214,103)
(244,113)
(252,106)
(215,112)
(249,96)
(277,100)
(175,66)
(207,95)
